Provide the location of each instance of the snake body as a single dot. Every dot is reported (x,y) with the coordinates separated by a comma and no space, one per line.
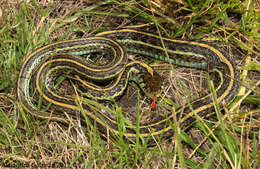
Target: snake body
(40,68)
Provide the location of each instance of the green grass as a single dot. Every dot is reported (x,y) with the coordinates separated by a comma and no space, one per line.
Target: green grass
(228,139)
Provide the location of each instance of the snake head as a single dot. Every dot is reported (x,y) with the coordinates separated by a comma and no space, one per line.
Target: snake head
(153,84)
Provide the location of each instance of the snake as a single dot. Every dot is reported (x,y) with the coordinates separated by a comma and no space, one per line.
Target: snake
(107,81)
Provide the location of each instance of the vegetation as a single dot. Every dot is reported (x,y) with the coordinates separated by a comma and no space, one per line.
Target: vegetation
(231,139)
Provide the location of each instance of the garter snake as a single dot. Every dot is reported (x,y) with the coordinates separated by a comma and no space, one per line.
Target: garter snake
(39,68)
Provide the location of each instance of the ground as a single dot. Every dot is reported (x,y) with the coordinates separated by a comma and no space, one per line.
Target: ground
(226,139)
